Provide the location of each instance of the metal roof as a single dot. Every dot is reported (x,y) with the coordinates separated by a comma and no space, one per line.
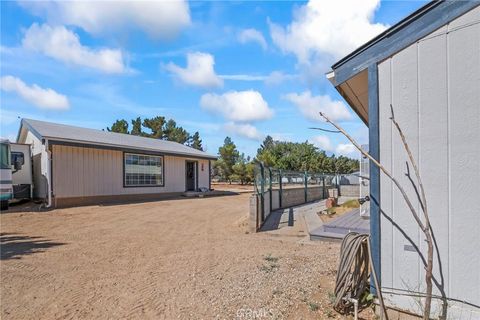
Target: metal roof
(85,136)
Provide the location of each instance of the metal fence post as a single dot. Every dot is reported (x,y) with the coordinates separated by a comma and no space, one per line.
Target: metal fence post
(306,185)
(280,191)
(270,187)
(324,187)
(262,191)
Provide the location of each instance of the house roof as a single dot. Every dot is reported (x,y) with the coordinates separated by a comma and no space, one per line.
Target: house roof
(65,134)
(349,74)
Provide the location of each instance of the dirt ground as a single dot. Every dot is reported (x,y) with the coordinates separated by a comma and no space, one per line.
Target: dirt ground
(232,187)
(176,259)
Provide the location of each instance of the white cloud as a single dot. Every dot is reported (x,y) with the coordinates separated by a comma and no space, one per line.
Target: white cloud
(277,77)
(326,28)
(310,106)
(238,106)
(40,97)
(242,77)
(64,45)
(323,142)
(198,72)
(347,149)
(244,130)
(252,35)
(274,78)
(160,19)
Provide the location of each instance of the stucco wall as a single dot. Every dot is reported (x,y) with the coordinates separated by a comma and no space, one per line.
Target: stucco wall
(434,87)
(81,172)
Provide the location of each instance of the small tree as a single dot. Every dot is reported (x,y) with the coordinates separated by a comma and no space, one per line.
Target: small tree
(228,157)
(243,170)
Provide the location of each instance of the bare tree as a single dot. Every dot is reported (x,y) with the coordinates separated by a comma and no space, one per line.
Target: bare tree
(424,226)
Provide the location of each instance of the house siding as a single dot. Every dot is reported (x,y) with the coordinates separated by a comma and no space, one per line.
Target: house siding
(433,86)
(88,172)
(40,162)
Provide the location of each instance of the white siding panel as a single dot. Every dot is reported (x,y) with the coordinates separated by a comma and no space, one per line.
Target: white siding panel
(433,142)
(385,99)
(203,175)
(434,86)
(404,101)
(464,102)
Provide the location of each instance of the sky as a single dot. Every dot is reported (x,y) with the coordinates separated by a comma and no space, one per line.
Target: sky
(240,69)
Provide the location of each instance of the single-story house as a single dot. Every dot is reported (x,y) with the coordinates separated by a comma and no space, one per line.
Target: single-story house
(427,67)
(74,165)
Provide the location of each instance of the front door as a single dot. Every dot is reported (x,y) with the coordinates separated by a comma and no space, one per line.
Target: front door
(191,175)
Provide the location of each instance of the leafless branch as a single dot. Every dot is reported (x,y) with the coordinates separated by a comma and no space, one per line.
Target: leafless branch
(425,227)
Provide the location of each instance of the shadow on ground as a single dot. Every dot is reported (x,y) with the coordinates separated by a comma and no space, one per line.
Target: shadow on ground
(14,246)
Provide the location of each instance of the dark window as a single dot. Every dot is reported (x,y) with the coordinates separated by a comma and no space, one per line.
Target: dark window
(18,156)
(143,170)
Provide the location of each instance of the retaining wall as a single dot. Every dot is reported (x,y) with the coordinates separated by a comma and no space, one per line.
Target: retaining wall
(352,190)
(289,197)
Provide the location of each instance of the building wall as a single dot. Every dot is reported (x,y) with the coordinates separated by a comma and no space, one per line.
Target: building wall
(434,88)
(83,172)
(40,162)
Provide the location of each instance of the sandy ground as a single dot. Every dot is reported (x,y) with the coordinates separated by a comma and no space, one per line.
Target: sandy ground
(235,187)
(176,259)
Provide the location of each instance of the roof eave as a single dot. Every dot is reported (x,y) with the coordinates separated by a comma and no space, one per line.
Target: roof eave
(62,141)
(417,25)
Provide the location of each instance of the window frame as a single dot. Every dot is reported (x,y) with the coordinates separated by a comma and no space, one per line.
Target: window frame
(14,153)
(124,177)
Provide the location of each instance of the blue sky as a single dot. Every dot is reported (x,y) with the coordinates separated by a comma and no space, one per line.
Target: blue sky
(242,69)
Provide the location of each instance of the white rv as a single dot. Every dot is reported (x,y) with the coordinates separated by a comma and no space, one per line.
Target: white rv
(22,176)
(16,172)
(6,190)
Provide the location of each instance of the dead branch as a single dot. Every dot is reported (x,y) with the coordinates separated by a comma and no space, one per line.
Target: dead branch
(426,231)
(425,227)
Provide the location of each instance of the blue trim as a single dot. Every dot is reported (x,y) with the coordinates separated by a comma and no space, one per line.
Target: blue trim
(411,29)
(374,150)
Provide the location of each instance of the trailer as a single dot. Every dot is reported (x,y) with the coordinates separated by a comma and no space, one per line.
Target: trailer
(6,190)
(16,172)
(22,175)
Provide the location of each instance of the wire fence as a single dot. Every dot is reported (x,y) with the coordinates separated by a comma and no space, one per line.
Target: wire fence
(276,188)
(267,178)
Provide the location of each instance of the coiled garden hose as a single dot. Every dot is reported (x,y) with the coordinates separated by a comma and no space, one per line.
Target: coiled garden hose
(353,276)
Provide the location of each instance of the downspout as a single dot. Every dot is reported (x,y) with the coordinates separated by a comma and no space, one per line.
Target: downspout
(49,175)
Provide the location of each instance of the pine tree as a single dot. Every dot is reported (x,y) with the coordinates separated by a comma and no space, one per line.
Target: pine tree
(119,126)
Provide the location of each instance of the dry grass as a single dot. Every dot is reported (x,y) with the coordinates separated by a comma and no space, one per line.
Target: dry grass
(339,210)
